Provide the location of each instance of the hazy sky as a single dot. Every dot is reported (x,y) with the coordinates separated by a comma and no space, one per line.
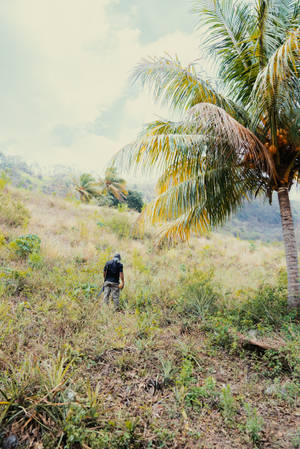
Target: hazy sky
(65,95)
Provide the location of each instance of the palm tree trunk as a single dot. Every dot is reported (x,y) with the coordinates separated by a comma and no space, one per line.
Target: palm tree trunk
(289,239)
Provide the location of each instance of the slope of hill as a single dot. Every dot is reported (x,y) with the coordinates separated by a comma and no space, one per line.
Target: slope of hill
(170,370)
(257,220)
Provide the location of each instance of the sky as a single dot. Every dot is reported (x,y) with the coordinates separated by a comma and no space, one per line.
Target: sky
(66,97)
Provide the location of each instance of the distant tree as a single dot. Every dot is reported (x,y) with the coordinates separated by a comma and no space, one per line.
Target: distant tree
(87,187)
(238,135)
(134,200)
(112,184)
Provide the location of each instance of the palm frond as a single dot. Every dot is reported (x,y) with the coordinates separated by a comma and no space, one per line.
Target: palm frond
(181,87)
(230,27)
(198,203)
(162,143)
(229,136)
(282,66)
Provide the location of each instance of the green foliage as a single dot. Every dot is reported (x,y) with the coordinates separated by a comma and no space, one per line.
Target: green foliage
(267,307)
(4,180)
(296,439)
(88,289)
(254,423)
(134,200)
(219,328)
(26,245)
(198,295)
(205,396)
(228,404)
(185,376)
(13,212)
(13,281)
(120,225)
(35,260)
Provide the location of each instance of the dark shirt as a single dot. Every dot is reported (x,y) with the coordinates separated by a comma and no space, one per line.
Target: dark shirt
(113,268)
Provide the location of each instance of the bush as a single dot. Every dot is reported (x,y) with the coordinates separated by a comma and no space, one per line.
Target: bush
(120,225)
(198,296)
(12,212)
(207,394)
(268,307)
(254,423)
(13,281)
(26,245)
(134,200)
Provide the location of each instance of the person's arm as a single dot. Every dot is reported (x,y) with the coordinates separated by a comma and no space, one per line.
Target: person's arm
(122,283)
(104,272)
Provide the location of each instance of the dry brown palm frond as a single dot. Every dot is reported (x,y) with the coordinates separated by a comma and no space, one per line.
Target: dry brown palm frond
(214,121)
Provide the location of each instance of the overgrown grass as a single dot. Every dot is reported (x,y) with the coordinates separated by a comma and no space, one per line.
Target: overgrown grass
(167,371)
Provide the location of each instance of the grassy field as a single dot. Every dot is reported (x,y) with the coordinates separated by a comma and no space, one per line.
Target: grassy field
(168,371)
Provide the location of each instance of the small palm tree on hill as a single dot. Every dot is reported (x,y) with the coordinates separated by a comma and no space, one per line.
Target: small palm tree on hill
(87,187)
(113,184)
(237,135)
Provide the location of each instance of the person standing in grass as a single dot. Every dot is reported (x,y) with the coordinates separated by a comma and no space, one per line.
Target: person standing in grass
(113,274)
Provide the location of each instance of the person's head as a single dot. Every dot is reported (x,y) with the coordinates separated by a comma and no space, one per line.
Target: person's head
(117,256)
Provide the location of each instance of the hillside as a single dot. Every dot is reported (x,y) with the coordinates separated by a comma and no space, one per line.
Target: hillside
(257,220)
(170,370)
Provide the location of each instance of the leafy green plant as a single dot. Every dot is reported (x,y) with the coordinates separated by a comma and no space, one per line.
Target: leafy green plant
(296,439)
(206,395)
(185,376)
(14,281)
(13,212)
(120,225)
(35,260)
(228,404)
(25,245)
(266,307)
(198,295)
(254,423)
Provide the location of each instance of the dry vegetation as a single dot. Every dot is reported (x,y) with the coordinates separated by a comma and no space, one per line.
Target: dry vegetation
(169,370)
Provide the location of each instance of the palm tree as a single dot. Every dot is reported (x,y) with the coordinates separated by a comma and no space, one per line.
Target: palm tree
(87,187)
(113,185)
(235,138)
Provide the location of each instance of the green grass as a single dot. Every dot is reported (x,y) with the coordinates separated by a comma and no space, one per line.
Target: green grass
(165,372)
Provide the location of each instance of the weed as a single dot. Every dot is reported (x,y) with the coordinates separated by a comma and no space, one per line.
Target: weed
(25,245)
(206,395)
(120,226)
(185,376)
(168,371)
(268,307)
(296,439)
(228,404)
(13,212)
(198,295)
(254,423)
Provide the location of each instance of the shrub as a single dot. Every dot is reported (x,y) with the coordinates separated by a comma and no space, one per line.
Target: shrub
(254,423)
(12,212)
(268,307)
(198,295)
(120,225)
(134,200)
(228,404)
(35,260)
(25,245)
(207,394)
(14,281)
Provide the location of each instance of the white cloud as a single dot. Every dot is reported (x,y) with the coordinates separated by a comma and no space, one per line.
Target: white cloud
(76,65)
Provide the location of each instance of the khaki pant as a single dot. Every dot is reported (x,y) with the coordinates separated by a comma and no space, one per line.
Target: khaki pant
(113,289)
